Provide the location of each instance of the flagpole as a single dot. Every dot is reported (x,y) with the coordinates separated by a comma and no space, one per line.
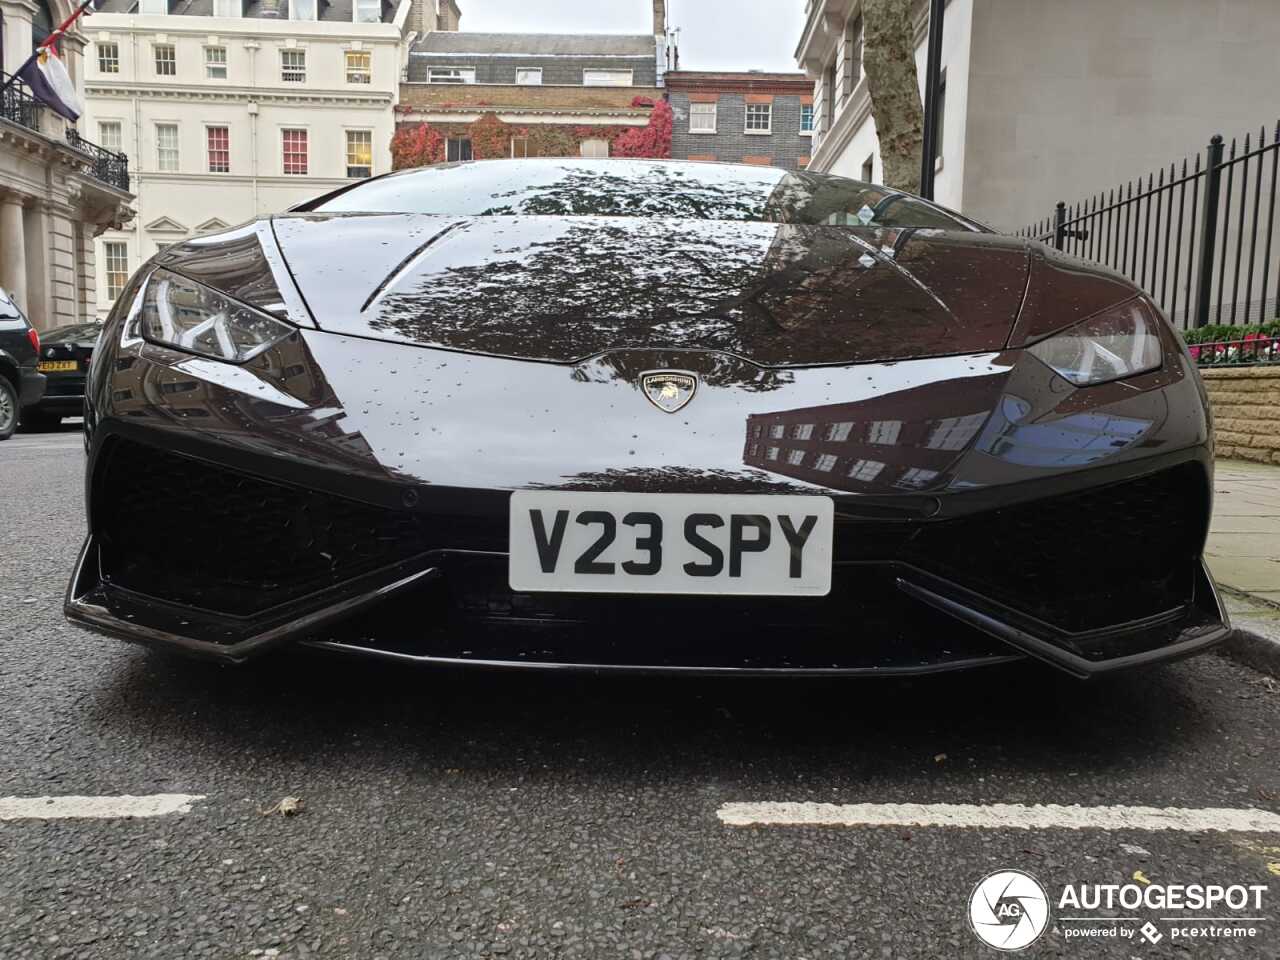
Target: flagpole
(48,41)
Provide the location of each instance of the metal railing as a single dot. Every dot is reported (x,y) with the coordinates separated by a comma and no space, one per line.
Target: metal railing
(1199,236)
(19,106)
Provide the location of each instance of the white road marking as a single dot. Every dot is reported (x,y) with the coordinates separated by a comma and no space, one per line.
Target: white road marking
(998,816)
(95,808)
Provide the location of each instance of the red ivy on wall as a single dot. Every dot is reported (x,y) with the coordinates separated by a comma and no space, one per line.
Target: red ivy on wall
(652,140)
(416,147)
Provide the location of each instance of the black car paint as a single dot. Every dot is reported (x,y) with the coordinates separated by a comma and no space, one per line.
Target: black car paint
(390,403)
(18,357)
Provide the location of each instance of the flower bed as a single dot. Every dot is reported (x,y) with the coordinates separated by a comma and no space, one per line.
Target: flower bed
(1218,344)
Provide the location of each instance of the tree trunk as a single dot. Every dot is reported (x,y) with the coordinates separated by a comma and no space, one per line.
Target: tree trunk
(888,57)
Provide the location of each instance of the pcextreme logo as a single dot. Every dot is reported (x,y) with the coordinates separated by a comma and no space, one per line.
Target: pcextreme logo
(1010,910)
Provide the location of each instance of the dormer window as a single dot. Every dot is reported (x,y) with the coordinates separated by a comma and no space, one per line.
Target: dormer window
(367,11)
(303,9)
(153,8)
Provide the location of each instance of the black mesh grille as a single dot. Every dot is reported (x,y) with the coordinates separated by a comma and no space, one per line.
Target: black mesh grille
(199,534)
(1081,561)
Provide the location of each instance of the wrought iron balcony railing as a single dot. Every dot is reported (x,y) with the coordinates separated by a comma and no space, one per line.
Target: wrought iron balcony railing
(19,106)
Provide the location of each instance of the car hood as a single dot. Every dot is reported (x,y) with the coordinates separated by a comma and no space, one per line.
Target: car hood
(563,289)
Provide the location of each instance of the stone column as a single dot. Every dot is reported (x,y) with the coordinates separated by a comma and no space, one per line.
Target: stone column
(38,278)
(13,249)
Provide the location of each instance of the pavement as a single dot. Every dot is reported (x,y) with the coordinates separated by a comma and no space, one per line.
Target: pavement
(468,814)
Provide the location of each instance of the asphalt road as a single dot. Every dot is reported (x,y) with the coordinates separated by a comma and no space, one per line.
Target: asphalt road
(468,814)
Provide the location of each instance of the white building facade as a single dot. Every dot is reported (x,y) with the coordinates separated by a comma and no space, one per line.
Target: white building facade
(57,191)
(1046,101)
(231,110)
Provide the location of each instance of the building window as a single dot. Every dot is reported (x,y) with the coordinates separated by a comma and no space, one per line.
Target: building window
(359,66)
(167,147)
(359,153)
(802,431)
(519,146)
(219,149)
(852,56)
(865,470)
(916,477)
(116,258)
(302,9)
(702,118)
(594,148)
(884,431)
(795,458)
(110,135)
(529,78)
(776,431)
(868,169)
(772,453)
(153,8)
(166,60)
(839,432)
(294,152)
(367,11)
(215,63)
(227,8)
(457,149)
(108,58)
(759,117)
(451,75)
(293,66)
(825,463)
(806,118)
(606,78)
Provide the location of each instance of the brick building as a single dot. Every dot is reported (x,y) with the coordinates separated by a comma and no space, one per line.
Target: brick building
(764,118)
(558,93)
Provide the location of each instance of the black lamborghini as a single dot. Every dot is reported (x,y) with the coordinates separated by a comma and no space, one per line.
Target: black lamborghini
(644,415)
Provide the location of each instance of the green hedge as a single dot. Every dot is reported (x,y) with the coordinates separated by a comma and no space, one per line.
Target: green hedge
(1216,332)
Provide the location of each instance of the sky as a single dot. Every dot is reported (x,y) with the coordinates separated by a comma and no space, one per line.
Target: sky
(714,34)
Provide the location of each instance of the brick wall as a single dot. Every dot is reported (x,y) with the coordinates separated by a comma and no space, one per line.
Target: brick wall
(424,96)
(555,70)
(1246,411)
(784,146)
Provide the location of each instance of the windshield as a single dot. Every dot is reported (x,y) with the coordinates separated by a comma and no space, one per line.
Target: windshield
(638,188)
(78,333)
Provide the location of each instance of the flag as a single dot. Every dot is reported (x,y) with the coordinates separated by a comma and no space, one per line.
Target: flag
(50,83)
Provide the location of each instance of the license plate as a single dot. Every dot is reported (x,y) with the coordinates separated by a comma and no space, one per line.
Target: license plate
(56,366)
(573,542)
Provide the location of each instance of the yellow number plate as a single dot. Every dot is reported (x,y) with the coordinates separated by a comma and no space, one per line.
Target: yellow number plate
(56,366)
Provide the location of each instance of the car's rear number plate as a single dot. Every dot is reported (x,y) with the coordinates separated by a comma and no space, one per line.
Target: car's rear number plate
(56,366)
(670,543)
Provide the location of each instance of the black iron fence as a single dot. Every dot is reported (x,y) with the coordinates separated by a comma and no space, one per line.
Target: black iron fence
(19,106)
(1199,237)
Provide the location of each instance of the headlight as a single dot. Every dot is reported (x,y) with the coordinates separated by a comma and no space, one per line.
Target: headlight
(1121,342)
(177,312)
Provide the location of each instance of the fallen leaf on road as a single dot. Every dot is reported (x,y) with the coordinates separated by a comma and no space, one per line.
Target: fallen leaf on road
(939,757)
(287,807)
(1140,877)
(1274,869)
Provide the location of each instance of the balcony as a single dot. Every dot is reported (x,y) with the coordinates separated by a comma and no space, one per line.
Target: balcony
(17,105)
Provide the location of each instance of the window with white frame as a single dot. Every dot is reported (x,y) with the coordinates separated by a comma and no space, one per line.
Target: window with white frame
(111,135)
(884,431)
(359,153)
(153,8)
(595,148)
(293,152)
(825,462)
(451,75)
(293,66)
(359,66)
(865,470)
(839,432)
(115,258)
(166,60)
(530,77)
(606,78)
(702,118)
(367,11)
(108,57)
(167,147)
(218,145)
(759,117)
(215,63)
(227,8)
(303,9)
(806,118)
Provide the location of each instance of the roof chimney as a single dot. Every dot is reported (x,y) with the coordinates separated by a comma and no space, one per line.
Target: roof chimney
(659,18)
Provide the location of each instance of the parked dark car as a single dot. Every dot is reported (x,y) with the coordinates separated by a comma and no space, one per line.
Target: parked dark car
(65,356)
(21,384)
(644,415)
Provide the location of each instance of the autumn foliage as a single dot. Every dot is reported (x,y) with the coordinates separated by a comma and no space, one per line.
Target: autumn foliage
(416,147)
(652,140)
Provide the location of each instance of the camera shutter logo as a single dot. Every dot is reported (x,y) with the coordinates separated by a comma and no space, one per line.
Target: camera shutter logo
(1008,910)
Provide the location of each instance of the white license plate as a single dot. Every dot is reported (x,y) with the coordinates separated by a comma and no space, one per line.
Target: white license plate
(670,543)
